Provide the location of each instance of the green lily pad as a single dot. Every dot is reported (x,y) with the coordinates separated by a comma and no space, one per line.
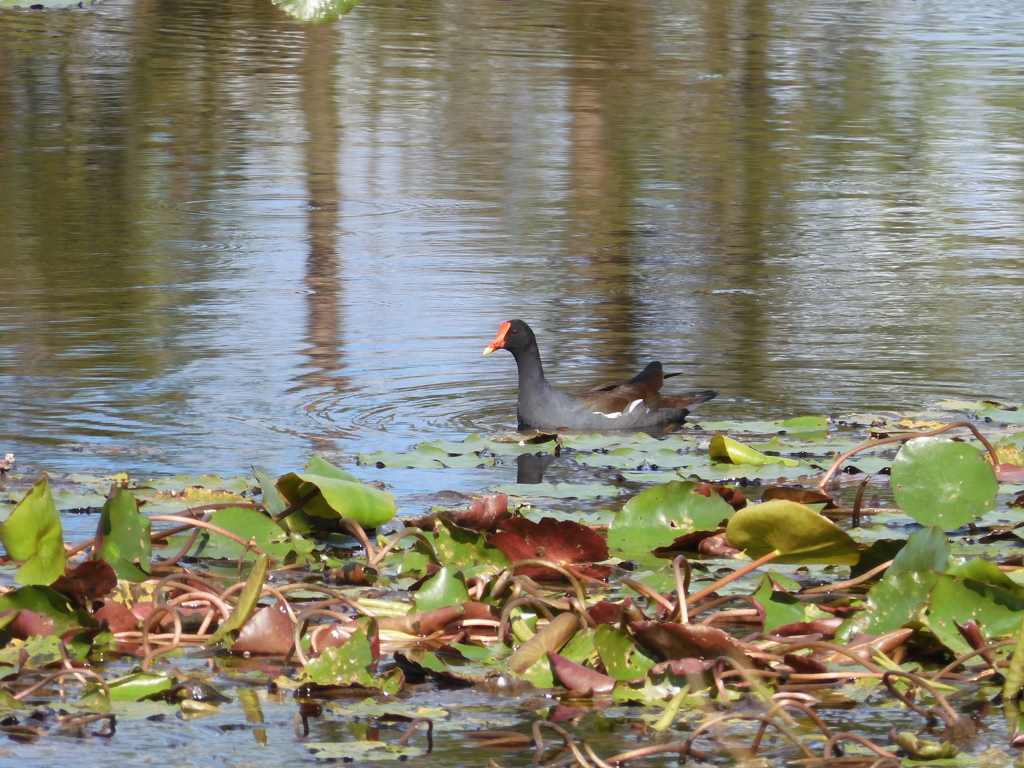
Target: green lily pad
(943,482)
(138,685)
(252,525)
(461,547)
(659,515)
(890,604)
(622,657)
(32,536)
(445,588)
(1001,415)
(725,449)
(341,495)
(126,543)
(780,608)
(996,610)
(54,606)
(796,532)
(351,663)
(925,550)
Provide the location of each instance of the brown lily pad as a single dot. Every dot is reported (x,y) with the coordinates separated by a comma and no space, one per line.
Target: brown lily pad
(563,542)
(681,641)
(268,632)
(576,677)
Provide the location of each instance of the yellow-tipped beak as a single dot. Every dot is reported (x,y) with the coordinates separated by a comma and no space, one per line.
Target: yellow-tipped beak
(499,340)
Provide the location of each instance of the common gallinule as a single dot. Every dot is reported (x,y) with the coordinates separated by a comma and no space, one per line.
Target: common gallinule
(631,404)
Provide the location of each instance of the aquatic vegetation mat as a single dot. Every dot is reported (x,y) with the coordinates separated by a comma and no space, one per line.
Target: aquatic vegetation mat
(811,591)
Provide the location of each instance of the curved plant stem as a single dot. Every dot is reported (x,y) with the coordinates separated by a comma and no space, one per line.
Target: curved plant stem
(151,654)
(63,673)
(737,574)
(826,646)
(952,714)
(682,587)
(867,743)
(393,541)
(651,593)
(903,438)
(250,545)
(976,652)
(839,585)
(506,612)
(297,505)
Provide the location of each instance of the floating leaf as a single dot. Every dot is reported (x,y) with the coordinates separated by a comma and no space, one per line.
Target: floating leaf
(445,588)
(728,450)
(621,656)
(551,638)
(659,515)
(45,602)
(341,495)
(246,601)
(32,536)
(943,482)
(890,604)
(139,685)
(126,543)
(252,525)
(353,662)
(780,607)
(956,601)
(797,533)
(925,550)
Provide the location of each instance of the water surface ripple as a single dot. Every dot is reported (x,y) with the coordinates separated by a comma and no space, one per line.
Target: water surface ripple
(230,239)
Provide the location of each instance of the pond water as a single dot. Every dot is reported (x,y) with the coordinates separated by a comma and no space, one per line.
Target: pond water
(229,238)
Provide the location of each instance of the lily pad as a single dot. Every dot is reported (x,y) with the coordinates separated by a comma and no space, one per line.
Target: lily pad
(943,482)
(341,494)
(445,588)
(796,532)
(126,544)
(727,450)
(659,515)
(32,536)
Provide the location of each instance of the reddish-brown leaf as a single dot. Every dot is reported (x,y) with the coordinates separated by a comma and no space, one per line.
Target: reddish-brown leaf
(689,542)
(483,514)
(605,612)
(118,616)
(564,542)
(681,641)
(803,664)
(733,496)
(799,495)
(29,623)
(268,632)
(717,546)
(576,677)
(825,627)
(86,582)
